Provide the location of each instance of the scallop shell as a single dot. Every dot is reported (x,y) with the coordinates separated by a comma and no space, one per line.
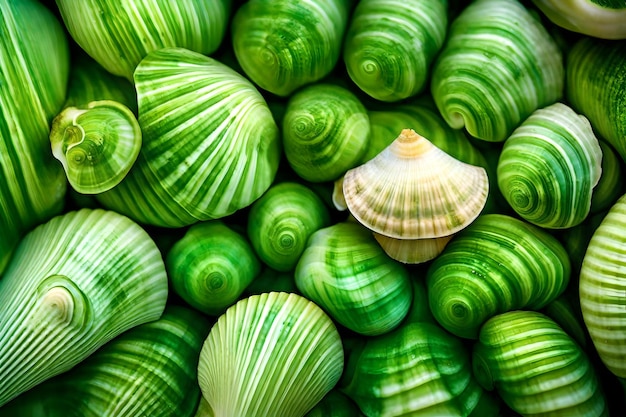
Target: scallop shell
(412,251)
(414,190)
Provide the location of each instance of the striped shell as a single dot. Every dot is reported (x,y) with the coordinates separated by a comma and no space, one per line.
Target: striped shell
(273,354)
(549,167)
(499,64)
(414,190)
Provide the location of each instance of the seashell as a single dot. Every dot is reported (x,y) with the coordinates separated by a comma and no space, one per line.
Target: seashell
(498,263)
(549,167)
(414,190)
(487,78)
(345,272)
(377,56)
(325,131)
(273,354)
(282,45)
(536,368)
(602,287)
(281,221)
(211,266)
(595,86)
(412,251)
(416,369)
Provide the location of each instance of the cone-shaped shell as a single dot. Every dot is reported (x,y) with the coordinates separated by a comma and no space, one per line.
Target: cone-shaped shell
(414,190)
(273,354)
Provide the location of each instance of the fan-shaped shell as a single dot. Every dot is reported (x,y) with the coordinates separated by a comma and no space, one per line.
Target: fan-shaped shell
(414,190)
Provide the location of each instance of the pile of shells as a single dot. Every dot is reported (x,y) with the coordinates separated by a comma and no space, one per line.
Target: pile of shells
(414,197)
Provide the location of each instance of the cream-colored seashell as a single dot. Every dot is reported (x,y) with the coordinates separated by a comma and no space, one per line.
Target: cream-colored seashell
(412,251)
(414,190)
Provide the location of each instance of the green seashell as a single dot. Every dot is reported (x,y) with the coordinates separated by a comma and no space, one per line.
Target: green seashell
(325,132)
(602,286)
(74,283)
(210,144)
(499,64)
(149,370)
(282,45)
(417,369)
(390,45)
(273,354)
(535,367)
(119,34)
(281,221)
(211,266)
(345,271)
(97,144)
(497,264)
(549,167)
(596,81)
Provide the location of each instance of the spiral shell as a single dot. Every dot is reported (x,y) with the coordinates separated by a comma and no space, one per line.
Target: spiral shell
(536,368)
(602,286)
(376,53)
(498,263)
(211,266)
(499,64)
(417,369)
(549,167)
(281,221)
(325,132)
(273,354)
(345,272)
(414,190)
(595,87)
(282,45)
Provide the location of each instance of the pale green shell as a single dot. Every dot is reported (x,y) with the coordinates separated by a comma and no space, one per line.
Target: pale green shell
(602,287)
(497,264)
(416,370)
(391,44)
(73,284)
(97,144)
(345,271)
(325,131)
(281,221)
(119,34)
(211,266)
(273,354)
(282,45)
(549,167)
(210,143)
(536,368)
(499,64)
(596,81)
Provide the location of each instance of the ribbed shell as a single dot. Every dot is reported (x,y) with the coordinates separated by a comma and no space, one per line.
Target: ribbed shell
(414,190)
(282,45)
(596,81)
(281,221)
(390,45)
(150,370)
(602,287)
(412,251)
(73,284)
(499,64)
(325,131)
(210,143)
(536,368)
(497,264)
(345,271)
(273,354)
(416,370)
(118,34)
(549,167)
(211,266)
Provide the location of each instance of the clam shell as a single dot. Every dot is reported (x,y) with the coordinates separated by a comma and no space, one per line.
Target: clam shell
(273,354)
(414,190)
